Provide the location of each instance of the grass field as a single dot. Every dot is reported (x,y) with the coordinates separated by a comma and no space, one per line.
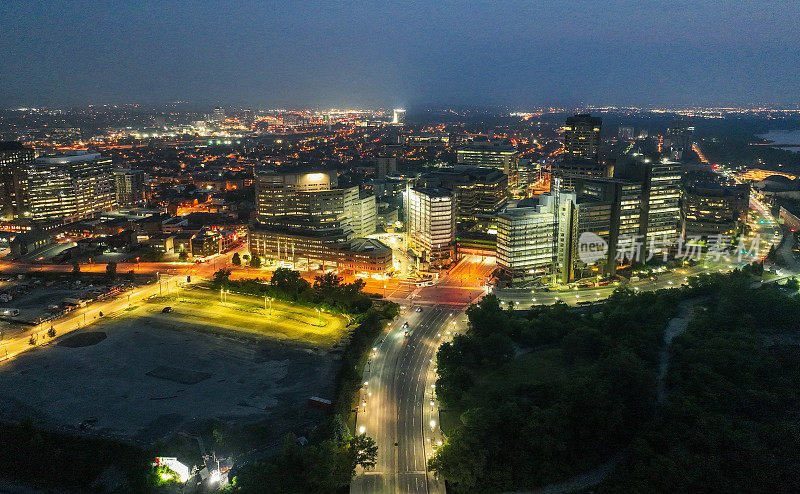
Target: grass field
(246,315)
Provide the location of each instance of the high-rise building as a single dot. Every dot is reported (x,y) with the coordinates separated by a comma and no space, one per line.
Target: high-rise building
(398,116)
(218,115)
(130,187)
(662,184)
(311,201)
(710,209)
(491,155)
(480,193)
(362,214)
(385,165)
(611,209)
(679,139)
(71,186)
(637,213)
(308,216)
(625,133)
(582,137)
(568,171)
(14,162)
(525,242)
(431,224)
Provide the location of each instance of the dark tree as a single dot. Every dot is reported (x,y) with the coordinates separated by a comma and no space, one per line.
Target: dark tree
(111,271)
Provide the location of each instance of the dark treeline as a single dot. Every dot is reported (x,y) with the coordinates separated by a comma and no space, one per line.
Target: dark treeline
(520,433)
(730,422)
(327,291)
(544,397)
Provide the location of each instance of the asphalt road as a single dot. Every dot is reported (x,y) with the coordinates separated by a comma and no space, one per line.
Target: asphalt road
(398,412)
(398,406)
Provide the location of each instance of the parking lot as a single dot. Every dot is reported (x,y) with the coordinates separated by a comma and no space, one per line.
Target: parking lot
(36,299)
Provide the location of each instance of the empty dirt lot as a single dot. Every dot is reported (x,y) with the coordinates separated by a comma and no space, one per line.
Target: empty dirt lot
(150,374)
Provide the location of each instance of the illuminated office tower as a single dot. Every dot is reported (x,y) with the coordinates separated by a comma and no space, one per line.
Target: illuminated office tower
(662,184)
(525,242)
(129,186)
(679,139)
(480,193)
(398,116)
(625,133)
(711,209)
(14,162)
(582,137)
(72,186)
(218,115)
(492,155)
(431,224)
(307,216)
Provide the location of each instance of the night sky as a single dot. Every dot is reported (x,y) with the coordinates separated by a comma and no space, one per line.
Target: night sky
(335,54)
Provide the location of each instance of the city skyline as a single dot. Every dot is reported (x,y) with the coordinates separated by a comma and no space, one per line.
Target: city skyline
(396,55)
(394,247)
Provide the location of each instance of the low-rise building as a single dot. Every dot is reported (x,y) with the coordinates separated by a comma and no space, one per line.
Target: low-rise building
(328,249)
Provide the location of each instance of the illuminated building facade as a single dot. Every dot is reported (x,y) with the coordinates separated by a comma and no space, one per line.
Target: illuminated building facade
(72,186)
(129,187)
(491,155)
(582,137)
(313,201)
(14,162)
(569,171)
(431,224)
(710,209)
(306,216)
(525,242)
(480,193)
(398,116)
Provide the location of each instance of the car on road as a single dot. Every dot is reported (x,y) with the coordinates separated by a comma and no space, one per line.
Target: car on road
(419,309)
(405,325)
(166,310)
(407,332)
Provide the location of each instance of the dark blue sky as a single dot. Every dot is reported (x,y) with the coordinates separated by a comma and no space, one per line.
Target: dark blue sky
(518,53)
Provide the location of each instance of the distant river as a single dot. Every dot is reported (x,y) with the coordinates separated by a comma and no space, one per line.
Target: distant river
(779,137)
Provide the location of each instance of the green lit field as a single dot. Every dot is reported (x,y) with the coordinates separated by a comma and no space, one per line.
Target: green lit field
(243,315)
